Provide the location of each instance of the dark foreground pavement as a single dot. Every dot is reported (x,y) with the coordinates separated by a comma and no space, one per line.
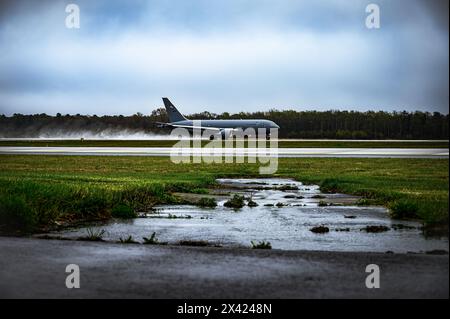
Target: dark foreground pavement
(34,268)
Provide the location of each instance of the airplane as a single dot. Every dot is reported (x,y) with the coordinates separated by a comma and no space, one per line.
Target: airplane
(225,128)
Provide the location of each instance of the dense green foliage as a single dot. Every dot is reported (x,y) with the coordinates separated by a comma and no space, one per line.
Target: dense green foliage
(294,124)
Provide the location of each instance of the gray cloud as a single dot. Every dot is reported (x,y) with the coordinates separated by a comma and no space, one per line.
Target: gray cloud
(217,55)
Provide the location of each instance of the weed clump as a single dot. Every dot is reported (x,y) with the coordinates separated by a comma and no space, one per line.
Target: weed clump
(93,235)
(196,243)
(207,202)
(376,229)
(261,245)
(128,240)
(252,203)
(152,240)
(320,229)
(173,216)
(237,201)
(123,211)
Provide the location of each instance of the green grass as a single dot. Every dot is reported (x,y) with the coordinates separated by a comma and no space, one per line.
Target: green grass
(16,214)
(123,211)
(37,191)
(404,208)
(169,143)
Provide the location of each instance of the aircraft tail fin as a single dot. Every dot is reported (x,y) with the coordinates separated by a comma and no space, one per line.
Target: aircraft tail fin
(172,112)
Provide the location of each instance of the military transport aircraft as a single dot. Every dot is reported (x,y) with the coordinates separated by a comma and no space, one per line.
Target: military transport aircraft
(225,128)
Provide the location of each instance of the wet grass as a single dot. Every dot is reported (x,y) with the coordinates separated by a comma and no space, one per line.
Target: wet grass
(37,191)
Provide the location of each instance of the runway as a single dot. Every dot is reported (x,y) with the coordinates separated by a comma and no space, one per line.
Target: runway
(279,152)
(34,268)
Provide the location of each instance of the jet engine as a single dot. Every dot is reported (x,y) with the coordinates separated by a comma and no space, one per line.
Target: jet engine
(226,133)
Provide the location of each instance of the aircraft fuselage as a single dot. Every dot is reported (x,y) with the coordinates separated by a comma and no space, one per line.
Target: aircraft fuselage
(233,124)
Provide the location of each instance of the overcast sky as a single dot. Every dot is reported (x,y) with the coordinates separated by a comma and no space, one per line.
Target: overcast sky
(228,55)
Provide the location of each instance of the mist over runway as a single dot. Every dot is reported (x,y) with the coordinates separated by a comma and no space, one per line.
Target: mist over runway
(280,152)
(176,138)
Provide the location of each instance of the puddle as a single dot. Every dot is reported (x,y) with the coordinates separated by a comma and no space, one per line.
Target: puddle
(286,227)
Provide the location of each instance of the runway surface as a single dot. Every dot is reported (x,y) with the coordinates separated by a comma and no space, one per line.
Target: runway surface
(280,152)
(34,268)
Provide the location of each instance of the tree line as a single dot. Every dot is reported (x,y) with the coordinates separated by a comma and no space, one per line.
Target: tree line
(331,124)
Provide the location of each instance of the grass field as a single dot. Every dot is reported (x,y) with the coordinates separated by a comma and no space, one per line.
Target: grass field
(169,143)
(36,191)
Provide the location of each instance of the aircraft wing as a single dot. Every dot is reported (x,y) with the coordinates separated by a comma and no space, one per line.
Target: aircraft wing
(189,126)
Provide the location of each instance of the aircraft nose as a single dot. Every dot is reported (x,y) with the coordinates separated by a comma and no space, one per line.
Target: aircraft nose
(275,125)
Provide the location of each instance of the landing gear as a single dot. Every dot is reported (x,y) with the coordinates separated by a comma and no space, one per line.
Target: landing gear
(214,137)
(267,134)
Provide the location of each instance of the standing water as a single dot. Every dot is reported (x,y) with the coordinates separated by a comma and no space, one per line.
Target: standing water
(287,216)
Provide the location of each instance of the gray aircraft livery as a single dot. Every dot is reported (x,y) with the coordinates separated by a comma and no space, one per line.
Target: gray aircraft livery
(224,127)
